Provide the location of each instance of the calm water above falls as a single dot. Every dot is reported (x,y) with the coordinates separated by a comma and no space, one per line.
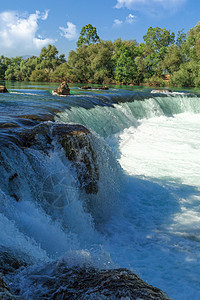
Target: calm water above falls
(146,215)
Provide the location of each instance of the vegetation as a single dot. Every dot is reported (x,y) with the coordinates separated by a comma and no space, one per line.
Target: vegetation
(160,56)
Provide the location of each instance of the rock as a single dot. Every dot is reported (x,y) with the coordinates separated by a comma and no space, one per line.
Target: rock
(3,89)
(75,139)
(10,261)
(63,89)
(78,149)
(103,88)
(165,91)
(94,88)
(5,293)
(86,87)
(91,283)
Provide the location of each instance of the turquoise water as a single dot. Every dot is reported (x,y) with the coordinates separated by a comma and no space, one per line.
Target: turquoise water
(146,214)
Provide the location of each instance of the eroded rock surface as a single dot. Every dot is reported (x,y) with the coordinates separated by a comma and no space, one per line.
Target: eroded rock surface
(3,89)
(63,89)
(75,139)
(91,283)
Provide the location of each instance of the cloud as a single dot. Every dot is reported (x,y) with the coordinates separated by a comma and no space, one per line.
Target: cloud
(130,19)
(45,15)
(117,22)
(70,32)
(18,33)
(150,4)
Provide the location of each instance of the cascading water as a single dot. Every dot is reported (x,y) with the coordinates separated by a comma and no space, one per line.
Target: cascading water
(145,214)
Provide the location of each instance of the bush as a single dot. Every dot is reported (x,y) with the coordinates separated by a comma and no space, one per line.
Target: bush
(39,75)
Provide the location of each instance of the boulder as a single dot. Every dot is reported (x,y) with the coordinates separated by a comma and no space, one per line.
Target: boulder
(3,89)
(75,140)
(63,89)
(90,283)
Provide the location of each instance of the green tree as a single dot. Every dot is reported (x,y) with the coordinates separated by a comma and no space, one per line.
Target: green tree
(61,73)
(157,41)
(173,59)
(39,75)
(49,60)
(88,35)
(12,72)
(126,71)
(4,63)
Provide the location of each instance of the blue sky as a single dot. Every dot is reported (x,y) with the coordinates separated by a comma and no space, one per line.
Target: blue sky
(27,26)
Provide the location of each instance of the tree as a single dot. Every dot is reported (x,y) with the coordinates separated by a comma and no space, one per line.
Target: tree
(88,35)
(159,39)
(49,59)
(125,71)
(61,73)
(157,42)
(173,59)
(39,75)
(4,63)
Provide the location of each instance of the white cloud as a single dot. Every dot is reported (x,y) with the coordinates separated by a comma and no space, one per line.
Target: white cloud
(45,15)
(117,22)
(130,19)
(152,4)
(18,33)
(70,32)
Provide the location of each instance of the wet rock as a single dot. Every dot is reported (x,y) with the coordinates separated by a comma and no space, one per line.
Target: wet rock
(8,125)
(86,87)
(103,88)
(5,294)
(165,91)
(94,88)
(3,89)
(11,261)
(78,149)
(63,89)
(75,139)
(91,283)
(38,118)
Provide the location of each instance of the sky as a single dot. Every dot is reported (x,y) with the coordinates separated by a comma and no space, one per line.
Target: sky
(27,26)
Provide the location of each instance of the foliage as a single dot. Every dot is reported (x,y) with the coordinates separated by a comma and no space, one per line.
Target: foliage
(173,59)
(88,35)
(106,62)
(39,75)
(126,71)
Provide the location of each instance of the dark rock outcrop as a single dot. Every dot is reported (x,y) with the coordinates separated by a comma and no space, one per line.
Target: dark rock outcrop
(63,89)
(91,283)
(5,294)
(3,89)
(75,139)
(11,261)
(94,88)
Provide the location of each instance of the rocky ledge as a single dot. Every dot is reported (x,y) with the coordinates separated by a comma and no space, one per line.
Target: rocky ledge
(87,282)
(91,283)
(86,87)
(75,140)
(3,89)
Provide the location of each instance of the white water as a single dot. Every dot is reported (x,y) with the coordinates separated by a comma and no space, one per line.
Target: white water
(162,220)
(146,220)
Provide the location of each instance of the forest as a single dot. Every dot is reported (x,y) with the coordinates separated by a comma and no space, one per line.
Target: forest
(162,59)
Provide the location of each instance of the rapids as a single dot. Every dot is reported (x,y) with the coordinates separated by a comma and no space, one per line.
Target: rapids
(146,214)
